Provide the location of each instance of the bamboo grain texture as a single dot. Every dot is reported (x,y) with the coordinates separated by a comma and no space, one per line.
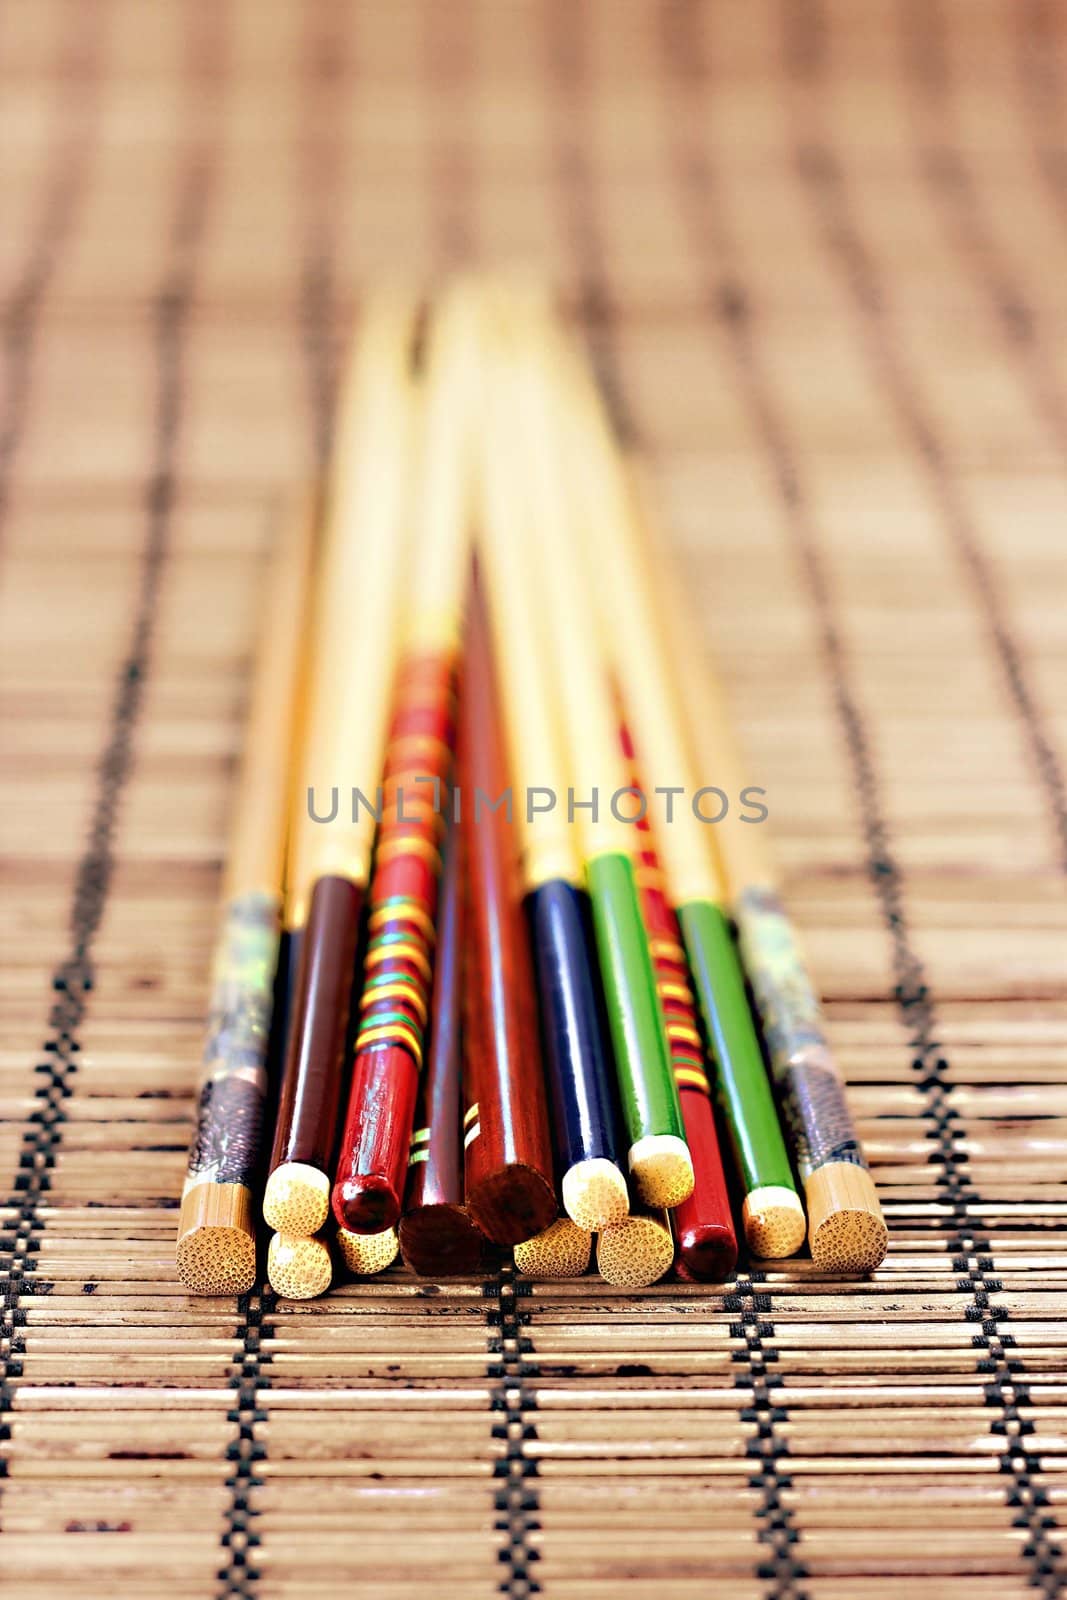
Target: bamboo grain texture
(816,252)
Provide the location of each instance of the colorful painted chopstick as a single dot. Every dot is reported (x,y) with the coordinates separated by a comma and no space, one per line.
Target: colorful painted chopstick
(508,1151)
(563,1251)
(576,1064)
(398,967)
(846,1228)
(216,1248)
(659,1160)
(398,970)
(365,1254)
(348,705)
(773,1215)
(703,1224)
(438,1236)
(638,1252)
(299,1266)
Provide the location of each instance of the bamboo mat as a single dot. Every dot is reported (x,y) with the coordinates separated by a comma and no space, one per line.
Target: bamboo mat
(818,250)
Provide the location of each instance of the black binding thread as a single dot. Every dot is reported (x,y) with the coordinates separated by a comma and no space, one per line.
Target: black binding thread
(324,74)
(823,180)
(73,979)
(968,1241)
(512,1363)
(927,71)
(783,1568)
(65,186)
(448,46)
(247,1451)
(767,1448)
(323,67)
(1035,24)
(952,187)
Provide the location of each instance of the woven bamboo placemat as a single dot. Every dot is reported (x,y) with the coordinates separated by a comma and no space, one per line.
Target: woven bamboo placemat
(818,250)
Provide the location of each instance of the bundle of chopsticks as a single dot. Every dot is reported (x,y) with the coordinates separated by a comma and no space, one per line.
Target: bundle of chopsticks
(503,963)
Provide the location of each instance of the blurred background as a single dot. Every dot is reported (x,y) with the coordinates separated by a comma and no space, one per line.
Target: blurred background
(816,250)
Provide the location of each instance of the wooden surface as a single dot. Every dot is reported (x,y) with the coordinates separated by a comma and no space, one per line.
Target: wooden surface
(820,251)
